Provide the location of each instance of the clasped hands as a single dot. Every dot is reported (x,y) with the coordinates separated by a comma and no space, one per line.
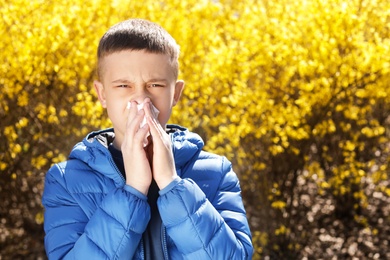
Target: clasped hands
(155,160)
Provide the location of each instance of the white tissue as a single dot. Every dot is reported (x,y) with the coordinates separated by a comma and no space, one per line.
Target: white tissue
(153,109)
(154,112)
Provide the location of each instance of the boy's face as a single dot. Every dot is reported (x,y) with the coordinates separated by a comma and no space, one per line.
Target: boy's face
(133,76)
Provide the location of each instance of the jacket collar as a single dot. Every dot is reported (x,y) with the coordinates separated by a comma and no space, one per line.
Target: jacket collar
(93,150)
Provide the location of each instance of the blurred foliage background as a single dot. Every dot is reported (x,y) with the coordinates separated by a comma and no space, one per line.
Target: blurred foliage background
(295,93)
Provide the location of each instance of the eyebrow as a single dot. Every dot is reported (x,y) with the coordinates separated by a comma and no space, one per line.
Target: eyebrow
(122,81)
(158,80)
(132,82)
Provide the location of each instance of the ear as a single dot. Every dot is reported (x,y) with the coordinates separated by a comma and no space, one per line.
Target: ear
(100,92)
(179,86)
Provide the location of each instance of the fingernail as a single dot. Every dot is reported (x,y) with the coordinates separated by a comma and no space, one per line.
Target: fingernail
(128,105)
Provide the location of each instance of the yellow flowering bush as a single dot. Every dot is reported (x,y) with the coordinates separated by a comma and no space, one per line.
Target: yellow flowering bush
(295,93)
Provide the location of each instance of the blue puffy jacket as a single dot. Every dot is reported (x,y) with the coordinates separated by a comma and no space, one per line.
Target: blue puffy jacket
(90,213)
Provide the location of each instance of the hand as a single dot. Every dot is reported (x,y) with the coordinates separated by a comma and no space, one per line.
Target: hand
(163,163)
(137,166)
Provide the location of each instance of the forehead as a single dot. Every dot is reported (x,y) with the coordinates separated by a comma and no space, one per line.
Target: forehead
(134,64)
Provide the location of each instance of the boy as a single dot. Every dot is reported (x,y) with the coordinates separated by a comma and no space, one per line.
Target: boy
(143,189)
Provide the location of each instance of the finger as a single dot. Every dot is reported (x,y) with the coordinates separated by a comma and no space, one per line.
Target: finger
(155,128)
(147,107)
(141,135)
(150,110)
(134,120)
(132,112)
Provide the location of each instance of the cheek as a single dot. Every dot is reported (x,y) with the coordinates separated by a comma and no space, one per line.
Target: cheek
(163,102)
(164,115)
(116,106)
(117,112)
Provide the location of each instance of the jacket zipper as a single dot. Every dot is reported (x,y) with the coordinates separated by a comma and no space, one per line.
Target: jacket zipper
(164,242)
(163,230)
(142,248)
(116,168)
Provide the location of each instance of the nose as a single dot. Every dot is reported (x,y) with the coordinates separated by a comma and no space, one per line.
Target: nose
(140,95)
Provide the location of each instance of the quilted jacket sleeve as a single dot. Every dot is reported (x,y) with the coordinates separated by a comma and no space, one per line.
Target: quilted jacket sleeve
(112,231)
(203,229)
